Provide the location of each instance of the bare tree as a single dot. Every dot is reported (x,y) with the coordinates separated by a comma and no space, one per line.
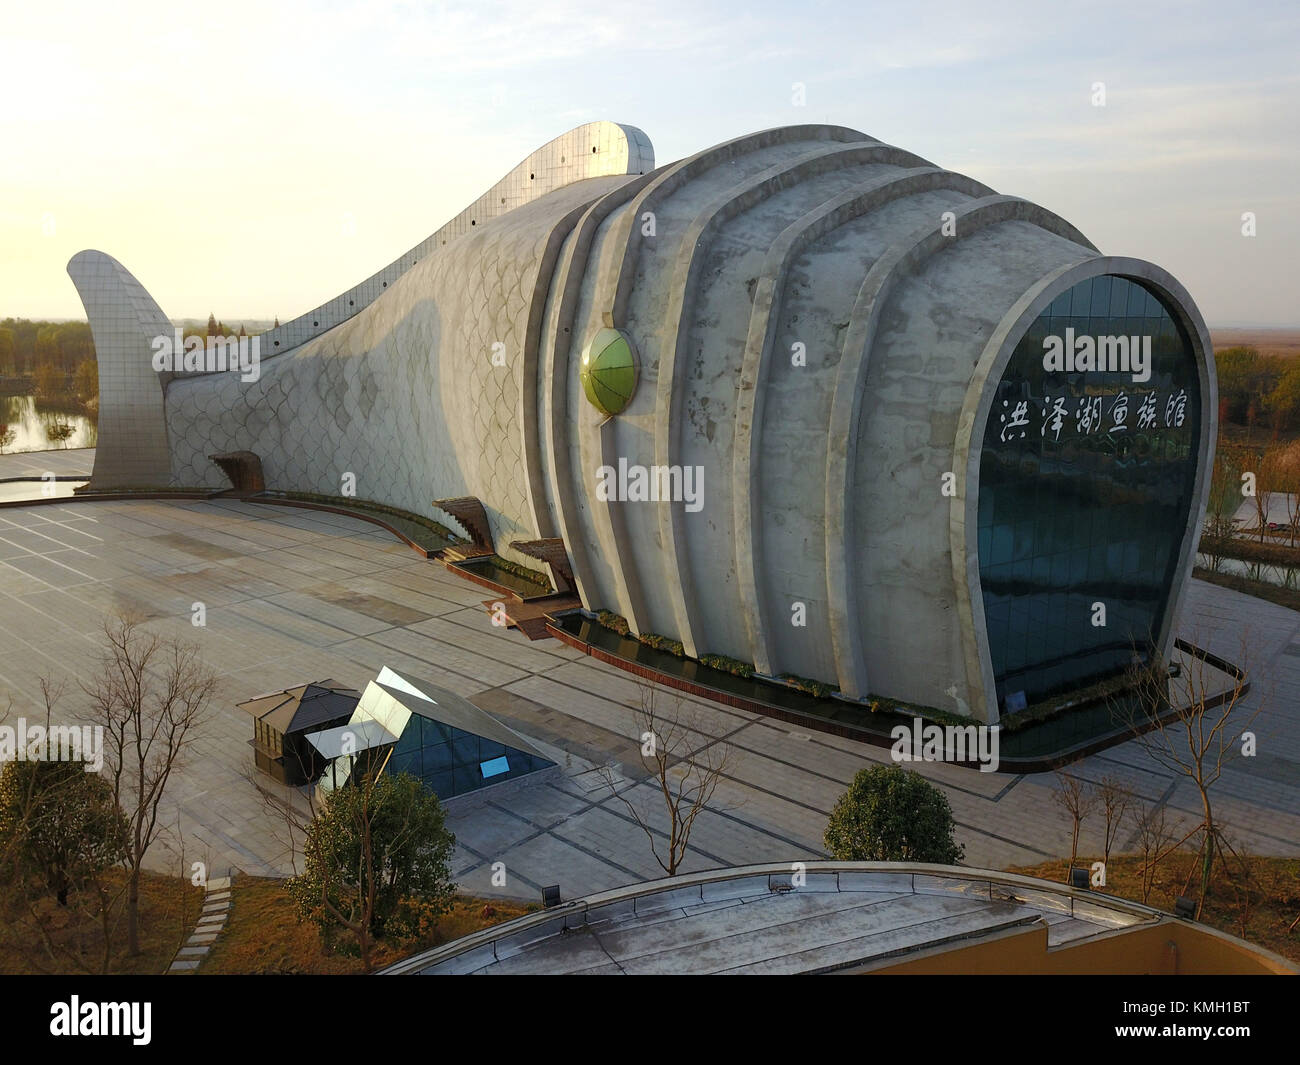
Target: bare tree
(1192,724)
(1265,477)
(1114,800)
(1155,842)
(1287,479)
(685,776)
(1077,798)
(149,696)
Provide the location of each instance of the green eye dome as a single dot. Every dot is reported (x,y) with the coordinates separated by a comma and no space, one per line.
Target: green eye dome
(608,371)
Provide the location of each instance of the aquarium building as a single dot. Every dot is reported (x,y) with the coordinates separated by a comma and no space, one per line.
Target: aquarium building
(803,399)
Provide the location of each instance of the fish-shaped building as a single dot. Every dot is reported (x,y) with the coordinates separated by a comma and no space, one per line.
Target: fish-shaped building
(800,399)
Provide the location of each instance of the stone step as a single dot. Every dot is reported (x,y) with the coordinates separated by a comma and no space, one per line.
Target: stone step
(184,966)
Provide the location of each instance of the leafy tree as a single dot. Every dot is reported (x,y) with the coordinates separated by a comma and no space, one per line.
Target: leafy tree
(75,344)
(86,380)
(892,815)
(1283,402)
(8,351)
(376,855)
(49,379)
(63,823)
(47,345)
(1239,378)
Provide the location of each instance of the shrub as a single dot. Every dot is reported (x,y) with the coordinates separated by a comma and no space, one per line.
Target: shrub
(818,688)
(727,664)
(614,622)
(663,643)
(377,860)
(892,815)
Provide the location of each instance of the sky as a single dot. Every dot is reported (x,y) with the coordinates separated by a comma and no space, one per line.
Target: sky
(254,158)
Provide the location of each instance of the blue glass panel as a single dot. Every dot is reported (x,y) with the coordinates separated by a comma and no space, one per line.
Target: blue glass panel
(1079,514)
(1119,296)
(1100,297)
(1081,299)
(494,767)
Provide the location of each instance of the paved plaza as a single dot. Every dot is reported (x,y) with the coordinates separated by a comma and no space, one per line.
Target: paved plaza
(295,595)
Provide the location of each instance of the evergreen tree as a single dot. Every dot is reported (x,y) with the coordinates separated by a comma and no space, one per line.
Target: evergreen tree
(892,815)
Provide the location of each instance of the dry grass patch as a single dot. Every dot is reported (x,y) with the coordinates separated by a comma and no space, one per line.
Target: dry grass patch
(169,908)
(1257,904)
(263,934)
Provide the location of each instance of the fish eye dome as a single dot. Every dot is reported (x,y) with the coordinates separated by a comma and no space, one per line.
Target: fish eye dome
(609,372)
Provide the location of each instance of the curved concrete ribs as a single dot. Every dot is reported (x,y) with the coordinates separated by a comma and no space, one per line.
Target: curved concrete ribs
(841,462)
(124,320)
(615,286)
(681,304)
(629,235)
(747,489)
(559,366)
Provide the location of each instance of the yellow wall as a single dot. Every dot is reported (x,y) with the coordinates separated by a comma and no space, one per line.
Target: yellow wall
(1169,947)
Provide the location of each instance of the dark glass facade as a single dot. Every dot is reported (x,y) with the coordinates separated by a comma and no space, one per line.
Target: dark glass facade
(451,761)
(1086,479)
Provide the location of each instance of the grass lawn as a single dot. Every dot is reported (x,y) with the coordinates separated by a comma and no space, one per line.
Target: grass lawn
(263,934)
(1268,907)
(169,908)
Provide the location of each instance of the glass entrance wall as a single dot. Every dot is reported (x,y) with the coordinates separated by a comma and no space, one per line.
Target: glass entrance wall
(1087,472)
(451,761)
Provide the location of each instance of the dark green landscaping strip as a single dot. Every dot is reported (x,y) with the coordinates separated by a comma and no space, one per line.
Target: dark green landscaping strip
(1033,747)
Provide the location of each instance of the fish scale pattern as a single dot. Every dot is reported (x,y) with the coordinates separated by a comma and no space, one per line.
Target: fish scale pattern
(416,398)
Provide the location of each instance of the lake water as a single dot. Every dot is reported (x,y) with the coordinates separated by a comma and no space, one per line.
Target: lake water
(31,419)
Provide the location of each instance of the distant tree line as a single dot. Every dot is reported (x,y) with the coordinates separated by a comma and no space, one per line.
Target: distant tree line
(1258,390)
(26,345)
(59,357)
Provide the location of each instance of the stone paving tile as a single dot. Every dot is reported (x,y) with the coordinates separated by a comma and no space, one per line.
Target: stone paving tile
(486,639)
(283,615)
(489,671)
